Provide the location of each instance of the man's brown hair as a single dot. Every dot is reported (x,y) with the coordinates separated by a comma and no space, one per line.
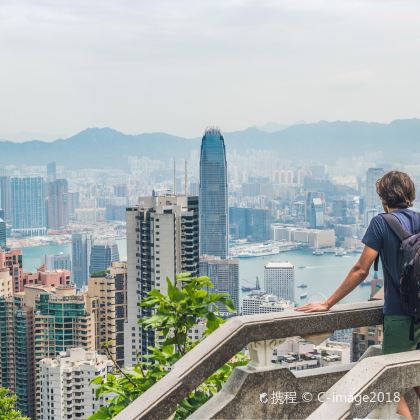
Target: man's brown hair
(396,190)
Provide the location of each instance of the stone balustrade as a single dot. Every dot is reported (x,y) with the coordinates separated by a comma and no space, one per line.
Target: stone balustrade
(261,333)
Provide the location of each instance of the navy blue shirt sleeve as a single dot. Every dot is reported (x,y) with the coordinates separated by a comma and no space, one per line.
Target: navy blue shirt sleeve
(374,236)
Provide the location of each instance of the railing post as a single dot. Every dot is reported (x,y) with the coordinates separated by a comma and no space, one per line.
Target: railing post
(261,352)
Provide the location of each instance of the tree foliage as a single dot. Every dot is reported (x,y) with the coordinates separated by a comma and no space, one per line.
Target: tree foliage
(8,406)
(174,314)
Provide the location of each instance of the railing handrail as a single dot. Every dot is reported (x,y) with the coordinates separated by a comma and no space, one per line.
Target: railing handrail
(191,370)
(371,377)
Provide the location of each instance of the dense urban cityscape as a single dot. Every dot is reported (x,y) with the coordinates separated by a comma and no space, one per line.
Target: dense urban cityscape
(208,210)
(209,222)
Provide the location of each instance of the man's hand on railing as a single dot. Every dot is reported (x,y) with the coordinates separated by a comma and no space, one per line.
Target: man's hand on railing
(314,307)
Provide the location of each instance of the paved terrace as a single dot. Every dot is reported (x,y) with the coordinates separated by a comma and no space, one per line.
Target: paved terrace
(242,394)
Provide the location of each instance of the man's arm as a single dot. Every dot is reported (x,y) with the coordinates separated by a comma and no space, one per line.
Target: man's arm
(356,275)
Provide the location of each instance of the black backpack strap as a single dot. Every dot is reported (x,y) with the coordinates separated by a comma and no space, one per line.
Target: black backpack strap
(376,263)
(396,226)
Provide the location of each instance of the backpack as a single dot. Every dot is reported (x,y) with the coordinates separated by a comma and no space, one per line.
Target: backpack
(409,264)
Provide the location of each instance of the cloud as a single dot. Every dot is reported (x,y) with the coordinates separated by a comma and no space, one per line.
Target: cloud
(174,65)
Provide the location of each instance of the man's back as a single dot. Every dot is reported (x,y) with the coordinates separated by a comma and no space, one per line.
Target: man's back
(380,237)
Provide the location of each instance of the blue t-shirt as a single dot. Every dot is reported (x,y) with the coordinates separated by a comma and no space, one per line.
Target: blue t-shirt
(381,238)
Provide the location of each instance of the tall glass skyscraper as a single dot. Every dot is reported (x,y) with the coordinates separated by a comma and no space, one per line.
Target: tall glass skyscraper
(28,206)
(213,195)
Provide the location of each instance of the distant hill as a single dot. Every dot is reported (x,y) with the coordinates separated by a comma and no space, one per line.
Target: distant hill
(322,141)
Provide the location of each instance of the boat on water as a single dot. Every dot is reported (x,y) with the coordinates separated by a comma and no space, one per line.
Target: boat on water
(303,286)
(302,266)
(257,253)
(340,253)
(318,252)
(304,295)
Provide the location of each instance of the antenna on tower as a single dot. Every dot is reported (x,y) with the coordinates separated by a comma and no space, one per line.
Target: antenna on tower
(174,177)
(186,178)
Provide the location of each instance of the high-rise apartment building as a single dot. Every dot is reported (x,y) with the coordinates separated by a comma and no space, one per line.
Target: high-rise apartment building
(262,303)
(103,254)
(106,298)
(57,204)
(61,321)
(81,246)
(65,385)
(279,279)
(213,195)
(5,198)
(28,206)
(162,240)
(224,274)
(17,371)
(3,231)
(372,202)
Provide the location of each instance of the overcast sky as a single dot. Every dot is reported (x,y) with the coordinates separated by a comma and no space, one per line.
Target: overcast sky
(180,65)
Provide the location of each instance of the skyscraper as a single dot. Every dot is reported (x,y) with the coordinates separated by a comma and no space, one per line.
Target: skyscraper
(162,240)
(213,195)
(81,245)
(107,299)
(373,204)
(103,254)
(57,205)
(279,279)
(224,274)
(315,208)
(5,197)
(16,352)
(51,172)
(2,230)
(59,261)
(28,206)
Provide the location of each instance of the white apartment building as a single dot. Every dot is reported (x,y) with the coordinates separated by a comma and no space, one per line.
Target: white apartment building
(66,391)
(279,279)
(261,303)
(314,238)
(162,240)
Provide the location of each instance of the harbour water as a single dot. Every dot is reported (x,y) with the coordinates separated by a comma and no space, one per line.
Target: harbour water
(322,274)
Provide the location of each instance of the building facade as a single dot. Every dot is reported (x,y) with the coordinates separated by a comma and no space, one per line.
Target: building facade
(279,279)
(28,206)
(65,385)
(103,254)
(162,240)
(106,298)
(57,205)
(81,247)
(262,303)
(224,274)
(213,195)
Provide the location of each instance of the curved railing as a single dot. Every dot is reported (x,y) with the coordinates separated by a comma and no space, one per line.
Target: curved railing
(160,401)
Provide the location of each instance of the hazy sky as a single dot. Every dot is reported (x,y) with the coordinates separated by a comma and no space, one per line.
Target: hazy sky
(180,65)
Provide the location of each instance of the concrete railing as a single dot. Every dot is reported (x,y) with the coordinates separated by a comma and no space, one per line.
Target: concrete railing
(261,333)
(373,388)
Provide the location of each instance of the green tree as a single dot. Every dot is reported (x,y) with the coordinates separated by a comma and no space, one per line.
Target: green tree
(8,406)
(188,302)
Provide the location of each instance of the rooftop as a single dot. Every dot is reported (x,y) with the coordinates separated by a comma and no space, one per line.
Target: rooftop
(281,264)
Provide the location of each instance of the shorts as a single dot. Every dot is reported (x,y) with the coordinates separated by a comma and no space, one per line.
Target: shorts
(396,336)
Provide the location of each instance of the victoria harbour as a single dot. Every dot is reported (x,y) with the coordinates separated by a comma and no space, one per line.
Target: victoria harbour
(322,274)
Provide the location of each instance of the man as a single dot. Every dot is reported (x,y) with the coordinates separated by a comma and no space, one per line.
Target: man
(397,193)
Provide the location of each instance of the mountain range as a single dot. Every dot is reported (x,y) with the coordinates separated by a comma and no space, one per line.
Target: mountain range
(324,141)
